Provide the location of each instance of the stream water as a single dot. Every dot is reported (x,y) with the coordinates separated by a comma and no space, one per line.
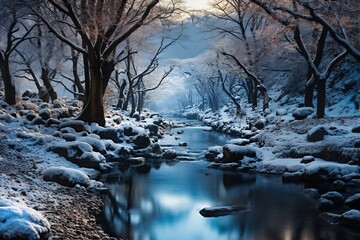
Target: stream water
(162,200)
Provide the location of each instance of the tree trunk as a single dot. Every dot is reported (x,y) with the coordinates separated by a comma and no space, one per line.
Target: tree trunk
(47,84)
(107,69)
(309,95)
(9,86)
(79,86)
(133,105)
(321,98)
(254,97)
(250,89)
(93,110)
(121,99)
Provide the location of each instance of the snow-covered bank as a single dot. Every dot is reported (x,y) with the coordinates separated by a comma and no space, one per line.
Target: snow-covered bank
(44,151)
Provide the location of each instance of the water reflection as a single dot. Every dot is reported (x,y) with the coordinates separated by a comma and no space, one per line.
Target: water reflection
(165,203)
(160,201)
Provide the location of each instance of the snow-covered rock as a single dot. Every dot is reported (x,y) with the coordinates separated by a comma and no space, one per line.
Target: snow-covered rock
(353,201)
(307,159)
(316,134)
(234,153)
(335,197)
(302,113)
(351,217)
(326,204)
(77,125)
(66,176)
(96,144)
(17,221)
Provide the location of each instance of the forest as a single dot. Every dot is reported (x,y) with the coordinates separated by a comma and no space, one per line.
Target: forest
(107,108)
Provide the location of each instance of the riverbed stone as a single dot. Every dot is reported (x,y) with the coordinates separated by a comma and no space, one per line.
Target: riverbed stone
(316,134)
(338,186)
(335,197)
(292,177)
(356,129)
(142,140)
(351,218)
(307,159)
(169,154)
(234,153)
(326,204)
(77,125)
(221,211)
(353,201)
(302,113)
(66,176)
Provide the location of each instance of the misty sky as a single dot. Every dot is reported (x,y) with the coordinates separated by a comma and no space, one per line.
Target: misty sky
(197,4)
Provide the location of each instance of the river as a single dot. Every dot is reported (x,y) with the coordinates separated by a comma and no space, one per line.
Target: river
(162,200)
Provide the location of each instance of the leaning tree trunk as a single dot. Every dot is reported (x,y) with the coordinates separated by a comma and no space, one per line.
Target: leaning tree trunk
(93,110)
(121,99)
(9,86)
(321,98)
(309,95)
(47,84)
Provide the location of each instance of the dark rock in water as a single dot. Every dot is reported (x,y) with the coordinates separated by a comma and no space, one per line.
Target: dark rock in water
(335,197)
(317,134)
(77,125)
(142,141)
(234,153)
(136,160)
(292,177)
(229,166)
(357,144)
(66,176)
(183,144)
(351,218)
(169,154)
(307,159)
(222,211)
(338,186)
(326,204)
(356,129)
(302,113)
(353,201)
(180,132)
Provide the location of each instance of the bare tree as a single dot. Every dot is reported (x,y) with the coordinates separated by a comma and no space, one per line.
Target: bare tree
(102,27)
(290,16)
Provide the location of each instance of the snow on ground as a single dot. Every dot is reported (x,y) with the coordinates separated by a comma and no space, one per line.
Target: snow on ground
(29,131)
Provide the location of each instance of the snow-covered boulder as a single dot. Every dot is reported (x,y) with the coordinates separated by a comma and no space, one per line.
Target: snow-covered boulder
(316,134)
(17,221)
(302,113)
(234,153)
(169,154)
(307,159)
(81,154)
(66,176)
(326,204)
(353,201)
(338,186)
(356,129)
(142,140)
(292,177)
(281,112)
(260,124)
(77,125)
(30,115)
(109,133)
(37,121)
(351,218)
(96,144)
(213,152)
(45,113)
(239,141)
(335,197)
